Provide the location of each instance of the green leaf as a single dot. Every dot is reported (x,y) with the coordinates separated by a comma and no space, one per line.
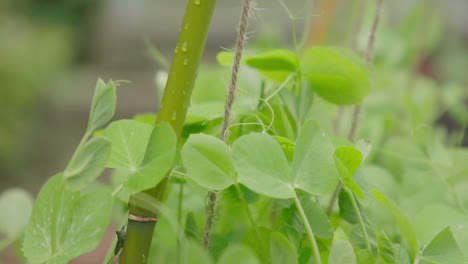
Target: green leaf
(341,252)
(313,167)
(208,162)
(259,239)
(443,249)
(274,60)
(346,207)
(147,118)
(16,205)
(225,58)
(434,217)
(336,75)
(191,229)
(158,159)
(281,250)
(103,106)
(287,145)
(65,224)
(87,163)
(129,139)
(401,220)
(238,254)
(195,254)
(347,162)
(390,252)
(262,166)
(317,217)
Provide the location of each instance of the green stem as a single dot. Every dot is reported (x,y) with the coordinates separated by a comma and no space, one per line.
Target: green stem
(180,205)
(173,109)
(310,233)
(360,219)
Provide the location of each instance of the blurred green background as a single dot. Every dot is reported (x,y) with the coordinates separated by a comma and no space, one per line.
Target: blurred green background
(53,51)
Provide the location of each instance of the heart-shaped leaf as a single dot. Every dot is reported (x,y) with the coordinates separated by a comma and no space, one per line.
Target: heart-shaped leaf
(262,166)
(208,162)
(129,139)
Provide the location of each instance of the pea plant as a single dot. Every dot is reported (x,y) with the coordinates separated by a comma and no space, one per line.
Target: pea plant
(266,171)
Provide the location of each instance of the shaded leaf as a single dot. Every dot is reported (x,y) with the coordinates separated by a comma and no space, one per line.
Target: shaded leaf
(342,252)
(16,205)
(317,217)
(238,254)
(443,249)
(281,250)
(401,220)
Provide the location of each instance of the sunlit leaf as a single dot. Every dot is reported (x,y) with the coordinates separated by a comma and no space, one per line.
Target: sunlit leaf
(262,166)
(129,139)
(335,75)
(347,162)
(274,60)
(208,162)
(313,166)
(65,224)
(158,159)
(103,106)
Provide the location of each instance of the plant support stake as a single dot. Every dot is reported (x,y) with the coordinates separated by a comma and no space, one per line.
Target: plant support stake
(143,213)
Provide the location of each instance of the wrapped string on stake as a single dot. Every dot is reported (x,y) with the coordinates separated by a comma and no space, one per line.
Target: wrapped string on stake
(212,199)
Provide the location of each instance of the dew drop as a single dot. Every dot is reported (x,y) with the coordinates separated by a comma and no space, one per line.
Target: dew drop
(174,116)
(186,26)
(186,62)
(197,2)
(184,47)
(176,49)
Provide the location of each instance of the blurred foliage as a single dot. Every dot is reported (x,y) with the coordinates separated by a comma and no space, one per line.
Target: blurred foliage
(34,48)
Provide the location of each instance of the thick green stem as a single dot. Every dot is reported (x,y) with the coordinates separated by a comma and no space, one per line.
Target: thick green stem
(173,109)
(308,228)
